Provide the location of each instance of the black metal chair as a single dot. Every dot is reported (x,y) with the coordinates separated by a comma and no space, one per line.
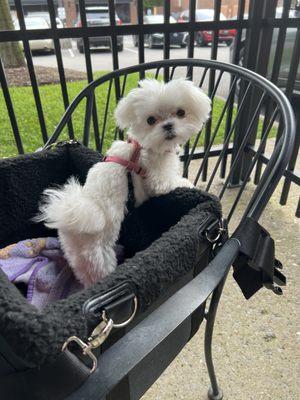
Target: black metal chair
(251,104)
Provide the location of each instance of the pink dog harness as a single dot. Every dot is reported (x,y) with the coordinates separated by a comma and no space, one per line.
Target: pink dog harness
(131,165)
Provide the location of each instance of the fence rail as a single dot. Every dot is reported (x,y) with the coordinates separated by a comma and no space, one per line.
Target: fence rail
(260,32)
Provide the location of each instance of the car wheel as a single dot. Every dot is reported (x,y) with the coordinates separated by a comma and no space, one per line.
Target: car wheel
(240,63)
(242,56)
(135,41)
(80,47)
(150,42)
(183,45)
(200,40)
(120,47)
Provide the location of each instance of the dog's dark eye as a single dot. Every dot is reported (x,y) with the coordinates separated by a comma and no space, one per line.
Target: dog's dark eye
(151,120)
(180,113)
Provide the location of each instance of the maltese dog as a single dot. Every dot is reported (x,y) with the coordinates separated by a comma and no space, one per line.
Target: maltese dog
(158,118)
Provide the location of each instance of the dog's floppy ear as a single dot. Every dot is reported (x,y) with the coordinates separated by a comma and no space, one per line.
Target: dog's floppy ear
(203,104)
(124,112)
(200,103)
(126,109)
(194,98)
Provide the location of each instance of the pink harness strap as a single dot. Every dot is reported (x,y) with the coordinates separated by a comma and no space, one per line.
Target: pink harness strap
(131,165)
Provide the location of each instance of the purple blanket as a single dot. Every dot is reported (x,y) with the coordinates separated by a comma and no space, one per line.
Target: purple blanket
(40,264)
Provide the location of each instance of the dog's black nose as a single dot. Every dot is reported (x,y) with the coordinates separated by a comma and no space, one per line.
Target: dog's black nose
(168,127)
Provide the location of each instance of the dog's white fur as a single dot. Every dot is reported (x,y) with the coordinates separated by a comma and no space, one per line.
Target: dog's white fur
(89,217)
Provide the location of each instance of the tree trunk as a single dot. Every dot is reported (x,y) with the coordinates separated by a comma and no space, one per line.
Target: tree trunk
(71,13)
(11,52)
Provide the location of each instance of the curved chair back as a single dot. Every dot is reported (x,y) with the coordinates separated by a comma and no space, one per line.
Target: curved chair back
(230,151)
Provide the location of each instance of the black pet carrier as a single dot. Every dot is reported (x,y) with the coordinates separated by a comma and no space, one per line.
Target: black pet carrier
(114,339)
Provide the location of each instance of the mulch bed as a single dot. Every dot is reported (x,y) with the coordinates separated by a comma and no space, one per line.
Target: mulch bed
(44,75)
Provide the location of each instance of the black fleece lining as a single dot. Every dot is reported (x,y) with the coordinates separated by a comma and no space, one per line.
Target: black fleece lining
(160,239)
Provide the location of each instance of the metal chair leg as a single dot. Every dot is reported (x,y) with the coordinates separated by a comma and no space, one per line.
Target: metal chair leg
(214,392)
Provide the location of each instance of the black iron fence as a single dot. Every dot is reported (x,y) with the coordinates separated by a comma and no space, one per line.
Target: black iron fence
(266,40)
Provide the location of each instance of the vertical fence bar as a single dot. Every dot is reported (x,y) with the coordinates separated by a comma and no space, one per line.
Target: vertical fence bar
(10,110)
(261,67)
(166,39)
(33,80)
(114,42)
(254,160)
(290,83)
(280,41)
(235,60)
(226,144)
(276,67)
(211,83)
(289,91)
(86,42)
(244,143)
(269,107)
(106,113)
(298,209)
(215,41)
(141,41)
(280,126)
(115,57)
(89,70)
(87,117)
(191,41)
(250,61)
(60,65)
(189,75)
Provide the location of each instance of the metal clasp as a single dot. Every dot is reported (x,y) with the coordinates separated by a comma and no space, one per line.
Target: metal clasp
(86,350)
(216,230)
(99,335)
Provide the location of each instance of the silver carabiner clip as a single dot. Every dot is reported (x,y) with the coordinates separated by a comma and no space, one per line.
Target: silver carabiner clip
(99,335)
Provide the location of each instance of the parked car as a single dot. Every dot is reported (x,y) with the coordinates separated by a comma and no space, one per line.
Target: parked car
(99,16)
(203,38)
(46,16)
(176,15)
(157,39)
(39,44)
(286,55)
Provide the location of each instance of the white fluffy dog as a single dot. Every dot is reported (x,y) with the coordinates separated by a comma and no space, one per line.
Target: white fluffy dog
(158,117)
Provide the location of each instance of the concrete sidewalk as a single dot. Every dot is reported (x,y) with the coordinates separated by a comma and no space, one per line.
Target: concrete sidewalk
(256,342)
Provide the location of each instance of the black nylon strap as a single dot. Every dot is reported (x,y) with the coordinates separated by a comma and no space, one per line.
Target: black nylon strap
(256,265)
(52,382)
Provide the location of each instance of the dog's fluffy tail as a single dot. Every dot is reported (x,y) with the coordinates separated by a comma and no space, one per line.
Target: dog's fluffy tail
(67,208)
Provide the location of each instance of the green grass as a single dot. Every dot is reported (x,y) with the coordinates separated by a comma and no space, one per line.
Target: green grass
(51,98)
(27,118)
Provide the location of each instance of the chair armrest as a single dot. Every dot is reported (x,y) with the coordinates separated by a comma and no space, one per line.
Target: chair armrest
(125,355)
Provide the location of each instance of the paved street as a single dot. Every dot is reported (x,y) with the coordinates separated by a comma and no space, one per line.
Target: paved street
(102,58)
